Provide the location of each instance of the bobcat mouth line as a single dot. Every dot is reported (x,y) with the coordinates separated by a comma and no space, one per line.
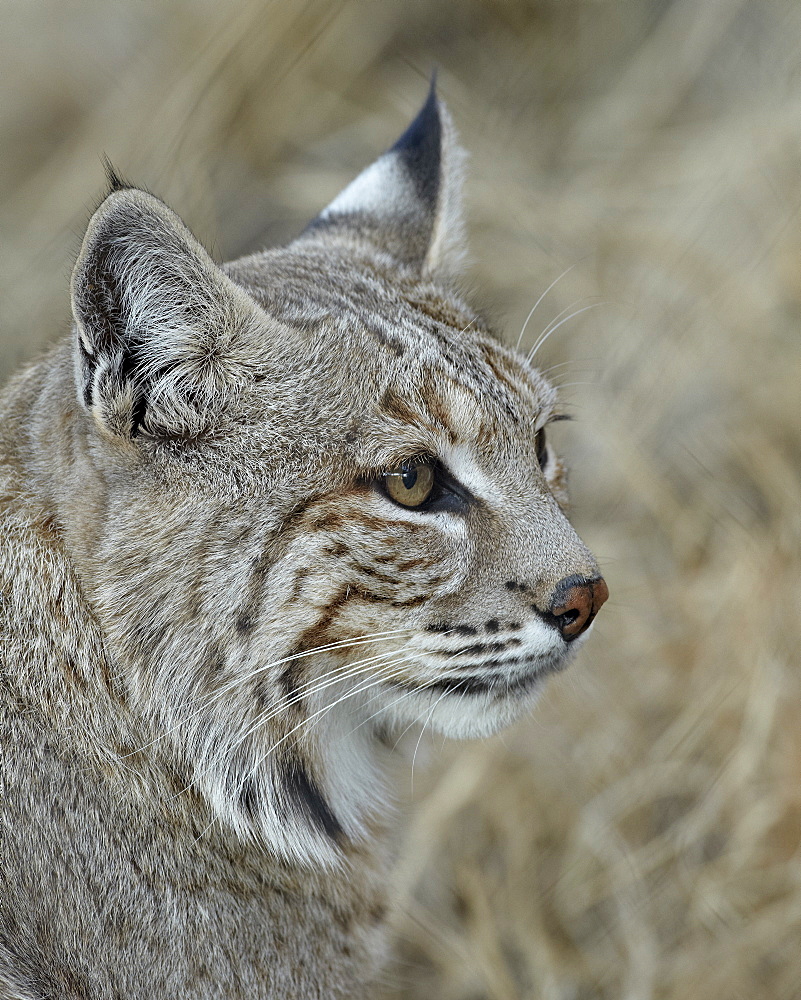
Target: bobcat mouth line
(498,684)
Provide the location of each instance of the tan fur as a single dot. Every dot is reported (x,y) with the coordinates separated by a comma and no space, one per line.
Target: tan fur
(215,625)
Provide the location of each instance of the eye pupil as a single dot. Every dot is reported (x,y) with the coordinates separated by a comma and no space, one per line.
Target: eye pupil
(408,476)
(410,484)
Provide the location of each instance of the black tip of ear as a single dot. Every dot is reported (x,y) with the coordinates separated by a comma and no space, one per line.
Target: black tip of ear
(420,147)
(115,181)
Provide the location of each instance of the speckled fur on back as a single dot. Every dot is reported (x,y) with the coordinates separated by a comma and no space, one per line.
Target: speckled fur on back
(219,609)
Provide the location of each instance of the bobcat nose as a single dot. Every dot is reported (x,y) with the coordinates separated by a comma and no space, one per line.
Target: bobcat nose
(574,604)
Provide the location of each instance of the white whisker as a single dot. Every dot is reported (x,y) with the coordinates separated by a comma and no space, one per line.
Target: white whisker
(552,329)
(361,640)
(316,716)
(534,307)
(397,701)
(556,319)
(263,718)
(420,737)
(566,385)
(237,683)
(552,368)
(319,684)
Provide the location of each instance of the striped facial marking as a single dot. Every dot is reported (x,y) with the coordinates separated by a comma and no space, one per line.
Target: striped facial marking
(404,596)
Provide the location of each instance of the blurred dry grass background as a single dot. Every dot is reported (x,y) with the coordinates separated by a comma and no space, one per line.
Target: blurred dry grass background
(640,836)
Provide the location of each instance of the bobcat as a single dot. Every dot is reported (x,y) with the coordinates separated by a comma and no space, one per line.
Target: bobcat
(259,519)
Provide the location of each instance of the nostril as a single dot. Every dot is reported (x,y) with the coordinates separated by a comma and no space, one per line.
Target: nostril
(575,604)
(567,619)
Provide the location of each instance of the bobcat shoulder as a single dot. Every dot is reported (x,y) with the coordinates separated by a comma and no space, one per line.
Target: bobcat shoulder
(255,520)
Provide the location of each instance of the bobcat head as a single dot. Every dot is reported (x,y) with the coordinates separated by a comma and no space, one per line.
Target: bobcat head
(310,496)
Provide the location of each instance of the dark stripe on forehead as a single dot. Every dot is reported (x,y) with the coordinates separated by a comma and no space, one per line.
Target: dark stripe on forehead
(431,394)
(444,312)
(394,405)
(500,369)
(505,394)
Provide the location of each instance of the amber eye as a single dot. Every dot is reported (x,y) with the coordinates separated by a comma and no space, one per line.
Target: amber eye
(541,447)
(411,484)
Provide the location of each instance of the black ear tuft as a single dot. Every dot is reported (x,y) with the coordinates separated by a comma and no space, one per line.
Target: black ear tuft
(420,147)
(408,202)
(115,180)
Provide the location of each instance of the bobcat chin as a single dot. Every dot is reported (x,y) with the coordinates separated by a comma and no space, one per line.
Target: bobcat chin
(257,520)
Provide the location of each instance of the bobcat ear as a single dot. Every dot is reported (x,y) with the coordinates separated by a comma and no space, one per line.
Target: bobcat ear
(409,201)
(162,333)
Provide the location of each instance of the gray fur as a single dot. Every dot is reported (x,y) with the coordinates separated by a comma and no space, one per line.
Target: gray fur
(211,616)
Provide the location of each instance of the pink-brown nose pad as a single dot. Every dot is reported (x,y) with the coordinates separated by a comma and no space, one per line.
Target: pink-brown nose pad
(575,603)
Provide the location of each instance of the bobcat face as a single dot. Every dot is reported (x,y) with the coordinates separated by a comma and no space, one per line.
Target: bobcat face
(311,497)
(458,578)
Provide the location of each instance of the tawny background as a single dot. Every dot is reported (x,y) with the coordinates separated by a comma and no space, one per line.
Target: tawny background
(639,836)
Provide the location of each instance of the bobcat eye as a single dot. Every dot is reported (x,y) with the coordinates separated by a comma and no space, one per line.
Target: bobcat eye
(541,448)
(411,484)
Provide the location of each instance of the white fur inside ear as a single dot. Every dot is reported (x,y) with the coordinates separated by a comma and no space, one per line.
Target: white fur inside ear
(447,251)
(389,192)
(384,188)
